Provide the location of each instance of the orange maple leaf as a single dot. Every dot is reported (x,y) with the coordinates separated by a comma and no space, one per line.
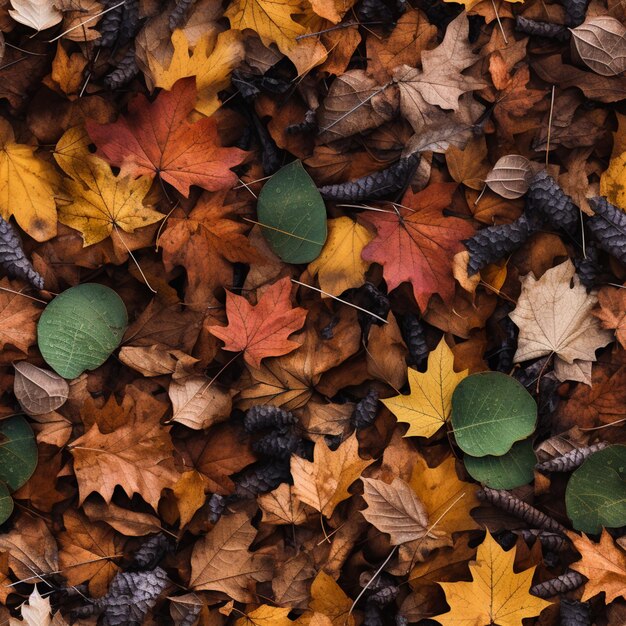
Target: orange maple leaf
(261,330)
(415,244)
(156,138)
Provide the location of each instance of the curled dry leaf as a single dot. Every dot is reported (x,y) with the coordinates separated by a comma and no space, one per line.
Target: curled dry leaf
(38,390)
(510,176)
(601,44)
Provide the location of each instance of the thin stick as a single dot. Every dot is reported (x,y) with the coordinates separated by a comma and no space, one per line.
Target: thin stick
(19,293)
(252,182)
(336,27)
(36,54)
(495,10)
(606,425)
(132,256)
(89,19)
(89,74)
(248,188)
(330,295)
(549,127)
(284,232)
(365,207)
(4,67)
(158,236)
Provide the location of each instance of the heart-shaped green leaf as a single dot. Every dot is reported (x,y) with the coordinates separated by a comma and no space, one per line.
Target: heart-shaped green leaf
(80,328)
(18,452)
(490,412)
(513,469)
(596,492)
(293,215)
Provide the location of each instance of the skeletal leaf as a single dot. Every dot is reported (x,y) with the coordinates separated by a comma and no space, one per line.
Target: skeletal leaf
(510,176)
(37,390)
(601,43)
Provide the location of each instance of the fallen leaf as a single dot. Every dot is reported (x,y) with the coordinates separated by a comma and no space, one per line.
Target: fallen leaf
(18,317)
(265,615)
(155,139)
(612,311)
(262,330)
(37,612)
(553,314)
(510,176)
(427,408)
(496,595)
(189,494)
(323,483)
(37,390)
(37,14)
(601,44)
(281,506)
(327,598)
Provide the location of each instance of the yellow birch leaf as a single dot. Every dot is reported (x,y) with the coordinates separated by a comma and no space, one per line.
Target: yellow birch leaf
(340,266)
(266,615)
(613,181)
(27,187)
(496,595)
(323,483)
(99,200)
(211,62)
(427,408)
(329,599)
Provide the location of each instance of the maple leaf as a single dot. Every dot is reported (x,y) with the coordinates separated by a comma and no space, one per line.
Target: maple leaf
(221,561)
(211,62)
(265,615)
(440,82)
(262,330)
(496,595)
(323,483)
(554,317)
(156,139)
(612,312)
(99,202)
(415,243)
(136,456)
(603,563)
(427,408)
(18,316)
(37,612)
(339,265)
(27,187)
(329,599)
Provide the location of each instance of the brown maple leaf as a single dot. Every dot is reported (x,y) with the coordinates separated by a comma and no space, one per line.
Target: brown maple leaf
(156,139)
(262,330)
(415,243)
(18,317)
(612,312)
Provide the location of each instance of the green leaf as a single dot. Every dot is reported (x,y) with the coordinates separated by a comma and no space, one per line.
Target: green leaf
(293,215)
(490,412)
(513,469)
(18,452)
(596,492)
(6,503)
(80,328)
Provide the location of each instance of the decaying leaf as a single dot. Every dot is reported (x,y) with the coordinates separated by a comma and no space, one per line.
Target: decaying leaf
(37,14)
(510,176)
(38,390)
(601,43)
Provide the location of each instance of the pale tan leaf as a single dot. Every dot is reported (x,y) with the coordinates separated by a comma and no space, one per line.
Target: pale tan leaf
(37,390)
(37,14)
(281,506)
(510,176)
(153,360)
(601,43)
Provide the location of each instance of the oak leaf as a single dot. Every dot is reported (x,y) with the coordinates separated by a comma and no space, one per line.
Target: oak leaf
(554,317)
(339,265)
(496,595)
(427,408)
(27,187)
(221,561)
(323,483)
(416,243)
(155,139)
(603,563)
(99,201)
(262,330)
(612,312)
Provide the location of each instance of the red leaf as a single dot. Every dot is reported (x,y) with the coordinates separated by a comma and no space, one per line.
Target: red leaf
(261,330)
(156,138)
(417,244)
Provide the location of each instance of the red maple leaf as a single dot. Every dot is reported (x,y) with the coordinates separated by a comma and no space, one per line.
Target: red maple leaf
(156,138)
(416,244)
(261,330)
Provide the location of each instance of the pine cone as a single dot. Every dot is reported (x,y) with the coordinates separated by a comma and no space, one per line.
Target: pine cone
(276,445)
(264,416)
(608,226)
(541,29)
(125,71)
(110,24)
(365,410)
(261,478)
(179,14)
(545,200)
(574,613)
(415,339)
(12,257)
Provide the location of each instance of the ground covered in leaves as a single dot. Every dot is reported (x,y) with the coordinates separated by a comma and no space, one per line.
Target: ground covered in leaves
(313,312)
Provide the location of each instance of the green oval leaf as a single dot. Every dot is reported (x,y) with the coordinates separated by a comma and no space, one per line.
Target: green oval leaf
(596,492)
(513,469)
(293,215)
(80,328)
(6,503)
(18,451)
(490,412)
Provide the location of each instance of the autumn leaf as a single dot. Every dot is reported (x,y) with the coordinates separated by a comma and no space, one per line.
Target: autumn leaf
(329,599)
(18,316)
(37,14)
(155,139)
(612,311)
(265,615)
(37,612)
(604,565)
(99,202)
(496,595)
(339,265)
(415,243)
(427,408)
(262,330)
(27,186)
(323,483)
(553,314)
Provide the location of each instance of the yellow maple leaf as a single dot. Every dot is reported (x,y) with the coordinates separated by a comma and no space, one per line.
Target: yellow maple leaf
(211,62)
(99,201)
(329,599)
(340,266)
(470,4)
(496,595)
(323,483)
(427,408)
(27,187)
(265,615)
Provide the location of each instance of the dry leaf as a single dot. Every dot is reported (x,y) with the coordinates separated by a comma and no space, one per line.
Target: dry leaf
(601,43)
(37,390)
(612,312)
(510,176)
(37,14)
